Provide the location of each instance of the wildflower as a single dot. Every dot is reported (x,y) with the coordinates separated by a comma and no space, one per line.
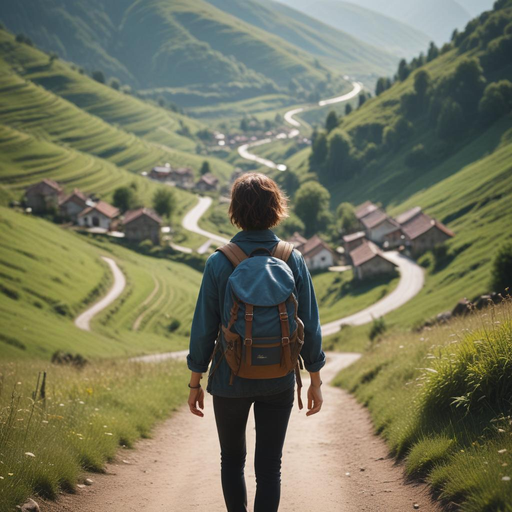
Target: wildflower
(109,434)
(29,454)
(81,402)
(61,405)
(10,474)
(89,391)
(506,479)
(504,450)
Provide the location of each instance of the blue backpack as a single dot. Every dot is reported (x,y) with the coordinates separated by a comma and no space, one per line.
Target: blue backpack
(261,335)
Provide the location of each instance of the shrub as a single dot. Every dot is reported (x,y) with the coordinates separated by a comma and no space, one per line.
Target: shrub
(98,76)
(496,101)
(174,325)
(502,269)
(377,329)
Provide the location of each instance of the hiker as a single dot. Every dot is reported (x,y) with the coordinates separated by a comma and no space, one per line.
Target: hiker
(256,320)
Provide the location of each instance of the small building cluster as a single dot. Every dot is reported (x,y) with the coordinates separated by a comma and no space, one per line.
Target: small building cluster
(413,230)
(183,177)
(77,207)
(317,254)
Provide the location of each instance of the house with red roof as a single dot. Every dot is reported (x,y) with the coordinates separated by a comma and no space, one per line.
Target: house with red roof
(207,182)
(72,204)
(369,261)
(317,254)
(98,215)
(422,232)
(43,196)
(350,242)
(377,224)
(142,224)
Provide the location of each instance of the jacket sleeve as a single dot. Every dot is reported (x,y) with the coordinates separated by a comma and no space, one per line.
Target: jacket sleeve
(312,353)
(205,325)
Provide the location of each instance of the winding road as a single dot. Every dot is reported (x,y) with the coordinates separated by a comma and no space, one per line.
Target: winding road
(83,321)
(244,152)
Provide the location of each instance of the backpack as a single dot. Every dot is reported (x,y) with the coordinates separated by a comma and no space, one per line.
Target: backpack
(261,335)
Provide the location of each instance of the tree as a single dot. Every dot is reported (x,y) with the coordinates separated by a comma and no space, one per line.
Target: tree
(362,99)
(502,269)
(164,201)
(205,168)
(467,85)
(52,57)
(421,83)
(403,70)
(381,86)
(98,76)
(125,198)
(244,124)
(332,121)
(433,51)
(496,101)
(346,218)
(290,225)
(312,206)
(278,119)
(451,123)
(115,84)
(319,150)
(340,162)
(348,109)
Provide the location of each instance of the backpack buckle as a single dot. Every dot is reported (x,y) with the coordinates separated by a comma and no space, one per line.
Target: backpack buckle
(283,316)
(248,342)
(249,317)
(285,341)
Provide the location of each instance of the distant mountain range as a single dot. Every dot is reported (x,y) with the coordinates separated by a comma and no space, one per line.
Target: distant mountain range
(403,27)
(203,51)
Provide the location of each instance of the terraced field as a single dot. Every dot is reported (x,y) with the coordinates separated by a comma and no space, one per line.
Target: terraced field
(41,294)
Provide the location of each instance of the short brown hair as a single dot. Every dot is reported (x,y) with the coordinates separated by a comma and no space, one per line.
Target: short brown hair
(257,202)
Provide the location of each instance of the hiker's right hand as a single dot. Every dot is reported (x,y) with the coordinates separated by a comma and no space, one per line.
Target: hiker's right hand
(315,400)
(195,399)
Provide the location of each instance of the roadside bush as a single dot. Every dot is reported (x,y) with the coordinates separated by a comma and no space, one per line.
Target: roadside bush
(502,269)
(174,325)
(377,329)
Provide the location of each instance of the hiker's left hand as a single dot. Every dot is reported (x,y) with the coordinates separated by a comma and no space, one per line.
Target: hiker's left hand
(315,400)
(195,399)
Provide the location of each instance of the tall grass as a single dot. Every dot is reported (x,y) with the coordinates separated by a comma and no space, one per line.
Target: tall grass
(56,421)
(443,401)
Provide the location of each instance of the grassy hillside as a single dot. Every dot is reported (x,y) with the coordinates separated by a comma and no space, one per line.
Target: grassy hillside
(41,294)
(320,39)
(400,156)
(197,54)
(441,399)
(367,25)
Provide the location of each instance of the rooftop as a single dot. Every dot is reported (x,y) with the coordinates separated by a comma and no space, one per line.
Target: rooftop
(312,246)
(364,209)
(131,215)
(408,215)
(354,236)
(366,252)
(375,218)
(102,207)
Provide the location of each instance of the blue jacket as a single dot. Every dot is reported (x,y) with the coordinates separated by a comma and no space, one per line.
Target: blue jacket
(207,318)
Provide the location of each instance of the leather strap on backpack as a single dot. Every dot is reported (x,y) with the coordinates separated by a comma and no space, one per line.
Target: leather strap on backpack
(233,253)
(283,250)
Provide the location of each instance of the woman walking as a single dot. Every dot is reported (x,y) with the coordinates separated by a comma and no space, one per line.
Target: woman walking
(255,312)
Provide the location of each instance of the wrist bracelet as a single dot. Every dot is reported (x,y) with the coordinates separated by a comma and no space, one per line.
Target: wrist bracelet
(194,387)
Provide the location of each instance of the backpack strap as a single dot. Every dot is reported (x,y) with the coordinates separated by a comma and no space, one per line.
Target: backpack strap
(233,253)
(283,250)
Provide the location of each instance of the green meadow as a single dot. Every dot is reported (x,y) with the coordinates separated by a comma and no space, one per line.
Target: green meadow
(41,294)
(441,400)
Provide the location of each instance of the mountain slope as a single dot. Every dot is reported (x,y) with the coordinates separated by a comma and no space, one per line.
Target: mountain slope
(446,147)
(369,26)
(308,34)
(437,18)
(191,48)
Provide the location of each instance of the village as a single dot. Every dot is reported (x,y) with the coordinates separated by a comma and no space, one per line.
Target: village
(413,232)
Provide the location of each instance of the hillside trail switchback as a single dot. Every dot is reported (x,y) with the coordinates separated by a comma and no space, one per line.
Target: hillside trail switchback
(332,461)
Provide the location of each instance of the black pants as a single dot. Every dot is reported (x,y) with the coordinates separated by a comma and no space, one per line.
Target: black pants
(271,414)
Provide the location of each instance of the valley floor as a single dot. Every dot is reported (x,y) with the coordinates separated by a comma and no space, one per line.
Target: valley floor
(332,461)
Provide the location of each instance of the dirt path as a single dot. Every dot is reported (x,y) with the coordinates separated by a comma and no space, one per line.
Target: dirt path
(83,321)
(332,462)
